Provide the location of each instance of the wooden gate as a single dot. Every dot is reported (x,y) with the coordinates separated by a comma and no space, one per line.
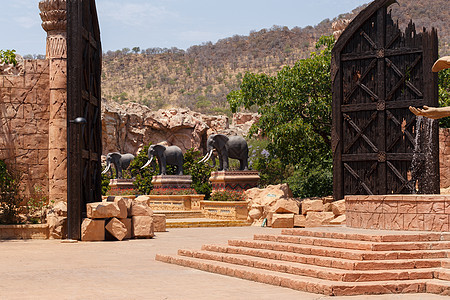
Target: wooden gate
(378,71)
(83,100)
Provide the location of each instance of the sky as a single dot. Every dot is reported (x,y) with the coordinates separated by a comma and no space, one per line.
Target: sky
(169,23)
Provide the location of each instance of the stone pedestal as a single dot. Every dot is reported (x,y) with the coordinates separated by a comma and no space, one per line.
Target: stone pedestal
(234,180)
(172,181)
(121,186)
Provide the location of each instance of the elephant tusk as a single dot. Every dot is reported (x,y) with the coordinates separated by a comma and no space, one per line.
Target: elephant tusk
(148,162)
(206,157)
(107,169)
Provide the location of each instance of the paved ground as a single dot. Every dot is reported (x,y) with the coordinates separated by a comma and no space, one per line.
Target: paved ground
(127,270)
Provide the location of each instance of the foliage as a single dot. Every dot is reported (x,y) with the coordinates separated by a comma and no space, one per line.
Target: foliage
(10,198)
(105,183)
(173,192)
(200,172)
(8,57)
(143,177)
(315,182)
(228,195)
(37,205)
(444,95)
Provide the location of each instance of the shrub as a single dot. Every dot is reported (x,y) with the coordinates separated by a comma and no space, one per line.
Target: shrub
(122,192)
(200,172)
(105,184)
(228,195)
(316,182)
(143,177)
(37,204)
(10,198)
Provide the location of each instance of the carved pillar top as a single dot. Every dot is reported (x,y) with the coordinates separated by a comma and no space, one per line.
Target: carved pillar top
(53,15)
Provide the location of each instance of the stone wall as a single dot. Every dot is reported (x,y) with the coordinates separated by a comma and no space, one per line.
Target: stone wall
(24,122)
(444,156)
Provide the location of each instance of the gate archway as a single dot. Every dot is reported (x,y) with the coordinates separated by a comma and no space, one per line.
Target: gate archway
(83,100)
(378,71)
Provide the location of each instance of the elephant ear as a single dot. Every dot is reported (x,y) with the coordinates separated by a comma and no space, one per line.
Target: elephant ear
(115,155)
(221,139)
(159,148)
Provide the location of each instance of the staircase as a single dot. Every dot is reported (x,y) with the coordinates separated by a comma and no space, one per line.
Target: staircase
(332,260)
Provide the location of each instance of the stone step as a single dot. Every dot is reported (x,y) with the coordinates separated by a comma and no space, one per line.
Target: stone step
(363,235)
(439,287)
(203,222)
(304,283)
(324,261)
(311,270)
(180,214)
(350,254)
(354,244)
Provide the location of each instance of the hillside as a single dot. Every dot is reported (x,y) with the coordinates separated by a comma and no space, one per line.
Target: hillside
(201,77)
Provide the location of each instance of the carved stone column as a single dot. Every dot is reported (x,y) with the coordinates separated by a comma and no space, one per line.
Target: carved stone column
(54,21)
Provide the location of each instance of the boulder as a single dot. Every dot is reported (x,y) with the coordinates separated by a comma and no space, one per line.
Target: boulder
(57,220)
(103,210)
(140,208)
(315,218)
(142,199)
(117,229)
(159,222)
(127,223)
(311,205)
(299,221)
(92,230)
(255,213)
(142,226)
(286,206)
(268,195)
(327,207)
(338,207)
(282,221)
(339,220)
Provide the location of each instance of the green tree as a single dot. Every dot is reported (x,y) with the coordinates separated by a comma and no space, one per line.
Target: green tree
(8,56)
(200,172)
(143,177)
(295,108)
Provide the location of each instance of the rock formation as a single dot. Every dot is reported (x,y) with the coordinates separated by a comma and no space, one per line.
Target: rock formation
(129,127)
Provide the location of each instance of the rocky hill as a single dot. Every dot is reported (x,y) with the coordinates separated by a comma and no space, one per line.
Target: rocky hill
(201,77)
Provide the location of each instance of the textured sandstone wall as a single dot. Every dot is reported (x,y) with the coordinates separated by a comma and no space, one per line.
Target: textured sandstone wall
(444,156)
(24,121)
(128,128)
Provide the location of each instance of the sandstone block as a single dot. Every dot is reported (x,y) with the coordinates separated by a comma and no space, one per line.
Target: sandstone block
(92,230)
(159,222)
(117,229)
(339,220)
(139,208)
(299,221)
(315,218)
(143,198)
(282,220)
(268,195)
(102,210)
(127,223)
(311,205)
(286,206)
(124,205)
(327,207)
(338,207)
(142,227)
(57,220)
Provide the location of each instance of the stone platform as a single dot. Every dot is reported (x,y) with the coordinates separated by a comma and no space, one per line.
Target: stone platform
(121,185)
(399,212)
(172,181)
(335,261)
(234,180)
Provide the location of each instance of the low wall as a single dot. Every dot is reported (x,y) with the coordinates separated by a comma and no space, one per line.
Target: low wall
(399,212)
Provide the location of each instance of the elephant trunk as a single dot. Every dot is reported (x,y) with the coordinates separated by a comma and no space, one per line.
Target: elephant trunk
(108,166)
(148,163)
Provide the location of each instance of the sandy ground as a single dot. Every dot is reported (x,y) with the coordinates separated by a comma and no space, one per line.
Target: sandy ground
(49,269)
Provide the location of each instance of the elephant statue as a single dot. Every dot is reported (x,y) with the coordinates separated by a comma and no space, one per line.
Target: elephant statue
(227,147)
(121,162)
(171,155)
